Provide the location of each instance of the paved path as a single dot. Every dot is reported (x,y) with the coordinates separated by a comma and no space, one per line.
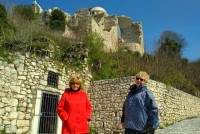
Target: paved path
(188,126)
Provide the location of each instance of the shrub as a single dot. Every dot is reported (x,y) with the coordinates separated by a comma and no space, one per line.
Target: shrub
(25,12)
(57,20)
(94,43)
(57,25)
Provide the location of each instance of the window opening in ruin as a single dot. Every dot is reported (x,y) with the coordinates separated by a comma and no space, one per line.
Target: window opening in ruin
(119,31)
(48,114)
(52,79)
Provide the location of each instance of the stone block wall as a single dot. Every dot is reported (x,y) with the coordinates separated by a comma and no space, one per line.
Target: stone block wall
(107,97)
(21,83)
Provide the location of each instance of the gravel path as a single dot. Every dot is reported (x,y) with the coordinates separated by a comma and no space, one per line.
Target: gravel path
(188,126)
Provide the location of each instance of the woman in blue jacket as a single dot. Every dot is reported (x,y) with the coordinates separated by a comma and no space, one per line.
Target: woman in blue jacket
(140,112)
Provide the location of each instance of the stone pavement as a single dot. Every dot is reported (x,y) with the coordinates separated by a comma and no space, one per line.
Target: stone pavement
(187,126)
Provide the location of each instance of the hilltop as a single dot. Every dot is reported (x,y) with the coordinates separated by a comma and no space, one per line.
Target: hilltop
(24,30)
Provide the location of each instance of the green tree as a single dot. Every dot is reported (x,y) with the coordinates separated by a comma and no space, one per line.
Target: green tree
(57,20)
(101,67)
(95,45)
(170,43)
(3,12)
(170,47)
(6,26)
(172,36)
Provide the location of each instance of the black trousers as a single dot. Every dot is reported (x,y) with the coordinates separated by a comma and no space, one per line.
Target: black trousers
(132,131)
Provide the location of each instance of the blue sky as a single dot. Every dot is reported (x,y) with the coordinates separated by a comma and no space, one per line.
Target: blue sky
(180,16)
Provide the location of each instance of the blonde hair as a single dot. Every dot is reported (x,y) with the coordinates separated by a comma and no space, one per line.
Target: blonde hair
(143,75)
(75,79)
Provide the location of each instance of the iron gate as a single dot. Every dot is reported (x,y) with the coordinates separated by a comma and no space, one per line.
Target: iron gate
(48,114)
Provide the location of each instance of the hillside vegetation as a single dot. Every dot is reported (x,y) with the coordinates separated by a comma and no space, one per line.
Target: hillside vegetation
(22,31)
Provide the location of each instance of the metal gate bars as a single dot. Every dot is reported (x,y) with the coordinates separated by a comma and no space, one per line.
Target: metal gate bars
(48,114)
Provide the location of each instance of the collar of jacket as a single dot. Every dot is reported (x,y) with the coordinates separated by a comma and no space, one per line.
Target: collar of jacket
(134,89)
(72,91)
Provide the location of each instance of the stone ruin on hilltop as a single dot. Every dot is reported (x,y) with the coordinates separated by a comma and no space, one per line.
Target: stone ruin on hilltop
(117,31)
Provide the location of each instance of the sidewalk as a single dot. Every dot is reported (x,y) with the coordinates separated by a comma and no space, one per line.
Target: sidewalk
(188,126)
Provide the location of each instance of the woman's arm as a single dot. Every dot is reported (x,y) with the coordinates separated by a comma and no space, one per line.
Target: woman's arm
(152,111)
(60,108)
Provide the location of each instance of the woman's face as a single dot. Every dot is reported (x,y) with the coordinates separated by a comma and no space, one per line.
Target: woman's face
(75,85)
(139,80)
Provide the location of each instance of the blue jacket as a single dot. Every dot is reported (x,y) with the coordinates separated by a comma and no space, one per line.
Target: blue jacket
(140,110)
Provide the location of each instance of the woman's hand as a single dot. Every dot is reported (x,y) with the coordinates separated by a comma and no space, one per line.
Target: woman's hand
(122,124)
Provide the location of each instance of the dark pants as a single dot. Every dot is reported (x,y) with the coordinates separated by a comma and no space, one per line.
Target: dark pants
(132,131)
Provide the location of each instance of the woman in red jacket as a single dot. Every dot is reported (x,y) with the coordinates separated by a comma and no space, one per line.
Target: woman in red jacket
(74,109)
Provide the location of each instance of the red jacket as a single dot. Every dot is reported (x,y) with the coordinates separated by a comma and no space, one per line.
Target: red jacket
(74,109)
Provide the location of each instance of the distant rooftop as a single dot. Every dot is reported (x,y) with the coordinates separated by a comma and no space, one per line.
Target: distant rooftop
(98,9)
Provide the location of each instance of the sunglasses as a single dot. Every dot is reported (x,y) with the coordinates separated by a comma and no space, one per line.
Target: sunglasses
(74,83)
(139,79)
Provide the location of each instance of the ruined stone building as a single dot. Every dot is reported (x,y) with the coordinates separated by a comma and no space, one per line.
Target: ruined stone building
(117,31)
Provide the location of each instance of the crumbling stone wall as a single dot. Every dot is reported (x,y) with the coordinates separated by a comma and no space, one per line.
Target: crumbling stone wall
(107,26)
(132,34)
(107,97)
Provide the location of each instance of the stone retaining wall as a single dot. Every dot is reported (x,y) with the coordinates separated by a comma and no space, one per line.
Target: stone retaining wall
(21,83)
(107,97)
